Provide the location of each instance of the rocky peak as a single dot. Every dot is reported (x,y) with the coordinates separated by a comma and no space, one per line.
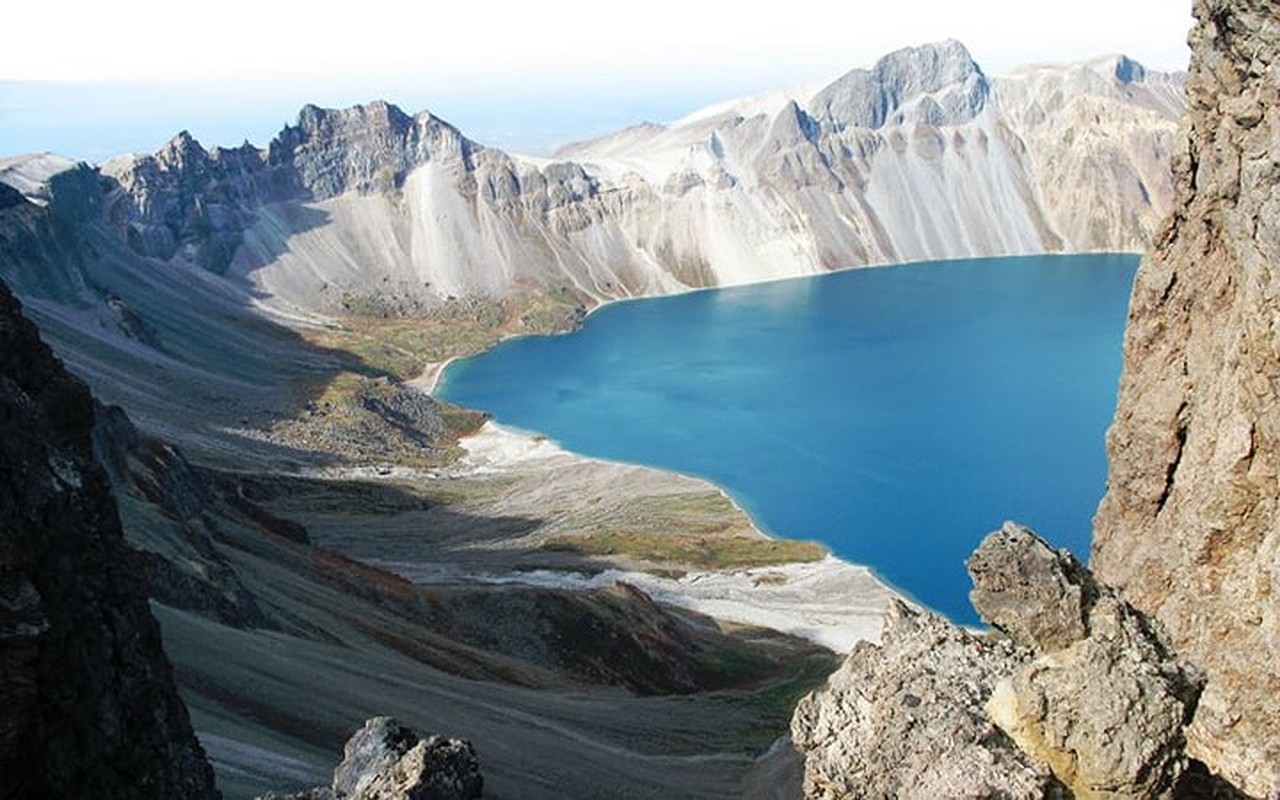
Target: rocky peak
(364,148)
(935,84)
(182,151)
(189,201)
(1190,525)
(378,114)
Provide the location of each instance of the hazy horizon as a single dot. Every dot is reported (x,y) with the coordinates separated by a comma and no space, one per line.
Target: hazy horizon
(128,78)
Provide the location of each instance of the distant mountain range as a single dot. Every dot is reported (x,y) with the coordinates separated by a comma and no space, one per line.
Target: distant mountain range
(922,156)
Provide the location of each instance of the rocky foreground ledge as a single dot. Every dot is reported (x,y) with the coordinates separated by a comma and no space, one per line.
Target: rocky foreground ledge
(1078,695)
(386,760)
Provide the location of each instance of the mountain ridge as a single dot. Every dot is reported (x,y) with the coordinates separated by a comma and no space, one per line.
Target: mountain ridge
(921,156)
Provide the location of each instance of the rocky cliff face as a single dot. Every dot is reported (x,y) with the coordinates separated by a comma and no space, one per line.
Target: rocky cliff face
(1189,527)
(90,706)
(920,156)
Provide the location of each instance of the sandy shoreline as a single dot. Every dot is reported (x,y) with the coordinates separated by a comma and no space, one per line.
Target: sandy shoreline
(831,602)
(429,378)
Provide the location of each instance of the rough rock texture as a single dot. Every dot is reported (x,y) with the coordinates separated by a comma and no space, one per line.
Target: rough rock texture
(904,719)
(935,85)
(90,706)
(1099,136)
(386,760)
(1084,697)
(1040,597)
(1105,702)
(1189,528)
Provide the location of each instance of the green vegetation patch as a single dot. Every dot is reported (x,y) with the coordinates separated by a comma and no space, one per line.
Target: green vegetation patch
(403,345)
(775,701)
(700,552)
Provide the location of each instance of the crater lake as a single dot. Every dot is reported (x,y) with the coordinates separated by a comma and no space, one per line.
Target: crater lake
(895,414)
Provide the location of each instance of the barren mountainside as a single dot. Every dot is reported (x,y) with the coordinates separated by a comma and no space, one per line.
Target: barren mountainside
(311,530)
(921,156)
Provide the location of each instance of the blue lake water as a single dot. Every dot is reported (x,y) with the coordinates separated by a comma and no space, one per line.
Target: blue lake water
(896,415)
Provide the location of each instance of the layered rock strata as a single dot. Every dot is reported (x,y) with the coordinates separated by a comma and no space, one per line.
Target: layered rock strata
(1190,525)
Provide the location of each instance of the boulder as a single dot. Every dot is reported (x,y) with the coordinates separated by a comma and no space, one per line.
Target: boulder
(386,760)
(904,719)
(1084,697)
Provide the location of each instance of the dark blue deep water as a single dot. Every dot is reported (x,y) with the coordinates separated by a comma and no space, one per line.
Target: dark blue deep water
(896,415)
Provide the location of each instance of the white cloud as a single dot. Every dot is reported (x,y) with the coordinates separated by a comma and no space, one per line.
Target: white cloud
(164,40)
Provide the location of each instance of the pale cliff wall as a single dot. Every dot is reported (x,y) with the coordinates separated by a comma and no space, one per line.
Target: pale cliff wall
(1189,526)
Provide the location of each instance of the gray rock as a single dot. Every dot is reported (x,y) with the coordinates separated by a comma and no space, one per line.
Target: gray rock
(371,752)
(1105,702)
(1038,596)
(944,75)
(173,552)
(1086,697)
(90,707)
(1107,713)
(904,719)
(386,760)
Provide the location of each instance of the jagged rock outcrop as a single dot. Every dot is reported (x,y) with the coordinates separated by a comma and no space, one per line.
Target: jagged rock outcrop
(904,719)
(386,760)
(1038,596)
(187,200)
(1104,703)
(169,515)
(1190,525)
(1083,699)
(939,85)
(90,705)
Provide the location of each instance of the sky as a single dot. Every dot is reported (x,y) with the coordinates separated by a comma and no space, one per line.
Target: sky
(94,79)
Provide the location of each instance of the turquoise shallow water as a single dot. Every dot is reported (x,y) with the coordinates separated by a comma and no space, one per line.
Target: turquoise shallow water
(895,414)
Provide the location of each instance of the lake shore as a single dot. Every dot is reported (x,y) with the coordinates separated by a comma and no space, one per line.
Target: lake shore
(828,601)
